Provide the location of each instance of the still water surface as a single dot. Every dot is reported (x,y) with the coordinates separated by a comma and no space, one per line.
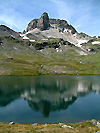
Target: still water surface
(49,99)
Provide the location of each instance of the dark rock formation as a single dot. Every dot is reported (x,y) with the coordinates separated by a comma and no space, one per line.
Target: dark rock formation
(83,36)
(32,25)
(62,24)
(43,22)
(6,31)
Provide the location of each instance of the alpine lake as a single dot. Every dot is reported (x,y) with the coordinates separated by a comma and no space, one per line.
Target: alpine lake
(49,99)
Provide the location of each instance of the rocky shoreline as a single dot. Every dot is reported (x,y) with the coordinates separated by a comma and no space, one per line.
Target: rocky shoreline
(88,126)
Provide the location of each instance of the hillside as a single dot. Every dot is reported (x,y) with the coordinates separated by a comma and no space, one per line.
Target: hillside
(48,46)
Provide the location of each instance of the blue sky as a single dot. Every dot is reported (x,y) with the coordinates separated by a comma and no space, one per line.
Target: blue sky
(84,15)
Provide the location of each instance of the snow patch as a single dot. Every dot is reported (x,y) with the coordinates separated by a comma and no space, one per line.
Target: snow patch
(25,37)
(51,37)
(41,50)
(96,42)
(32,40)
(67,30)
(80,42)
(44,39)
(22,35)
(75,35)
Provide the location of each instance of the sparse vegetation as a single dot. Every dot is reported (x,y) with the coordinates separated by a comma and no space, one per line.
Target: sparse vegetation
(19,57)
(55,55)
(81,127)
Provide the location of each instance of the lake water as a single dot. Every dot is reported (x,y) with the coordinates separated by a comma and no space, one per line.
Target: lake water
(49,99)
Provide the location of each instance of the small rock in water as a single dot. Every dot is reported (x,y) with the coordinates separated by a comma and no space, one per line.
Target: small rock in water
(35,124)
(11,123)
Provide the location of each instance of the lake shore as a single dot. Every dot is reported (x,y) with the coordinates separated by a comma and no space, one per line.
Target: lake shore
(83,127)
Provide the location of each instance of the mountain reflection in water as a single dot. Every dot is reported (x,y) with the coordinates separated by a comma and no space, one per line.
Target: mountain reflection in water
(47,93)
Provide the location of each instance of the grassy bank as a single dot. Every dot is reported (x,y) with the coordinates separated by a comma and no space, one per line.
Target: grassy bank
(81,127)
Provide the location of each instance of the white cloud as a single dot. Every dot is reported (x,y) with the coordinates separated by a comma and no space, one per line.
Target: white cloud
(62,8)
(12,22)
(70,11)
(12,18)
(79,13)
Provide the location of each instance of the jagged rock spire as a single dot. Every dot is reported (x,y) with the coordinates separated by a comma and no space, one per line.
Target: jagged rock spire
(43,22)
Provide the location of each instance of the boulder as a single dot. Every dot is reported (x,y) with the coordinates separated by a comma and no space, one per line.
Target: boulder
(35,124)
(11,123)
(94,122)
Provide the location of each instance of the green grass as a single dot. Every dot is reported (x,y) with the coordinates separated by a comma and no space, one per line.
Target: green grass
(28,61)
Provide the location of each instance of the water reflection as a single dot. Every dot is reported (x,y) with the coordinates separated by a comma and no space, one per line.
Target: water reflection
(47,93)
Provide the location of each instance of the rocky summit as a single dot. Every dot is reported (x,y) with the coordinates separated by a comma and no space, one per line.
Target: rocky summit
(42,23)
(45,23)
(45,28)
(48,46)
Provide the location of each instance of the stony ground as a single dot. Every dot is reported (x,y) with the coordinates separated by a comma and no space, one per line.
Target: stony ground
(81,127)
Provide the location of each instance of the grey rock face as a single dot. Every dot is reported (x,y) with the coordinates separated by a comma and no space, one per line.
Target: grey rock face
(6,31)
(43,22)
(62,24)
(32,25)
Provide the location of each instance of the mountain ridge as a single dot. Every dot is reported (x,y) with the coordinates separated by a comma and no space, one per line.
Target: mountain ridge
(46,27)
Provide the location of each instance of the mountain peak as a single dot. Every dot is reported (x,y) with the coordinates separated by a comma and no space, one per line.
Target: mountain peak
(43,22)
(45,14)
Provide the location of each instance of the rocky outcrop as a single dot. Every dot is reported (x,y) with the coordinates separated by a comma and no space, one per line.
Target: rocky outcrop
(32,25)
(42,23)
(62,25)
(54,28)
(45,23)
(6,31)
